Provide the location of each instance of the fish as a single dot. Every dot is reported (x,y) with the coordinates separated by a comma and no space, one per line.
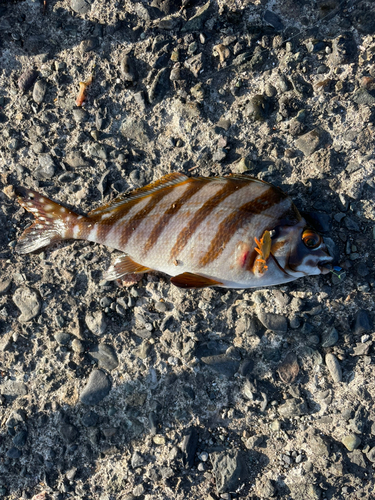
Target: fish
(233,231)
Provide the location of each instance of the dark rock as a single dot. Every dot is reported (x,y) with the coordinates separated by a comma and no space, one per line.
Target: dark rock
(274,20)
(296,127)
(344,49)
(246,367)
(26,80)
(97,388)
(69,433)
(274,322)
(362,269)
(62,338)
(90,419)
(310,142)
(221,363)
(20,439)
(154,423)
(159,86)
(89,44)
(14,453)
(289,368)
(35,43)
(257,108)
(127,69)
(330,337)
(105,356)
(196,22)
(229,469)
(167,6)
(194,64)
(162,61)
(249,325)
(351,224)
(259,58)
(189,446)
(362,323)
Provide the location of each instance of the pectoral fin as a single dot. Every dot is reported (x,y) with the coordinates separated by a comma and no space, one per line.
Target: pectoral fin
(190,280)
(123,265)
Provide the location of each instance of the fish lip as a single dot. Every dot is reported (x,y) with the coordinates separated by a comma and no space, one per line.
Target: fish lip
(326,266)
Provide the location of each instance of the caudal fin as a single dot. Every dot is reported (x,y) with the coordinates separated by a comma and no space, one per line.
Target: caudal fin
(53,221)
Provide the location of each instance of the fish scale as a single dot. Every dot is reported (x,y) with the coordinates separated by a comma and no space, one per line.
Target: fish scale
(201,231)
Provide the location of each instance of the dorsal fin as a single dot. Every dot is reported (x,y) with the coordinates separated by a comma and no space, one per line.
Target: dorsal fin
(165,182)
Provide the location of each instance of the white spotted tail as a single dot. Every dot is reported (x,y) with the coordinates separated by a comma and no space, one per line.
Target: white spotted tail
(53,222)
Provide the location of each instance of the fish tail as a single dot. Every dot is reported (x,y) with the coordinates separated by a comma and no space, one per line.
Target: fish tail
(53,221)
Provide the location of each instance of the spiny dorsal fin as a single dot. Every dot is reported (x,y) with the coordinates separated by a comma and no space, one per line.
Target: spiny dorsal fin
(191,280)
(165,182)
(123,265)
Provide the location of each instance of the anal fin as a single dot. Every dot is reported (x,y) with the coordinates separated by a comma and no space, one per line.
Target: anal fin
(191,280)
(123,265)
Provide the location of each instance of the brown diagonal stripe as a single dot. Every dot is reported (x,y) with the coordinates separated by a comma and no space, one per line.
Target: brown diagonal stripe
(118,213)
(201,214)
(236,220)
(194,185)
(140,216)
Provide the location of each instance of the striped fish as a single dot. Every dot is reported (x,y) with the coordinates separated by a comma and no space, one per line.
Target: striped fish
(232,232)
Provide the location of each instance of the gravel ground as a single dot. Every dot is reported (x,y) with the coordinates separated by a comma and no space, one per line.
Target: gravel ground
(110,391)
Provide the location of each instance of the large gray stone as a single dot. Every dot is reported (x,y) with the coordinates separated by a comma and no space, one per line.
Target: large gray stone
(96,389)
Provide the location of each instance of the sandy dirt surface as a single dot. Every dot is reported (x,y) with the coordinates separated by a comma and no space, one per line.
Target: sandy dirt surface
(113,390)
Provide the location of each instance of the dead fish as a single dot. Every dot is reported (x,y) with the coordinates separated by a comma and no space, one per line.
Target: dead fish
(232,232)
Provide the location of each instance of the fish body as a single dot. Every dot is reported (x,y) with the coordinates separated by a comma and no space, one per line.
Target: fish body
(233,232)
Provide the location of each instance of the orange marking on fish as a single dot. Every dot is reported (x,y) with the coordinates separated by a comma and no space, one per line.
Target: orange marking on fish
(264,251)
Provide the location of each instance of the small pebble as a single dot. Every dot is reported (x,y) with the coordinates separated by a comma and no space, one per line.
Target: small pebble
(334,367)
(39,91)
(351,442)
(159,439)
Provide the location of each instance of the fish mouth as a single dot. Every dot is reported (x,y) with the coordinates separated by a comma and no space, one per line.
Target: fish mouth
(325,266)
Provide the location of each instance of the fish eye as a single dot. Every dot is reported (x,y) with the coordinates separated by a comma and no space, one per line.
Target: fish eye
(311,239)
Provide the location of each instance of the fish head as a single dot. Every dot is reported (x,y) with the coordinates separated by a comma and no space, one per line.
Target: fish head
(300,251)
